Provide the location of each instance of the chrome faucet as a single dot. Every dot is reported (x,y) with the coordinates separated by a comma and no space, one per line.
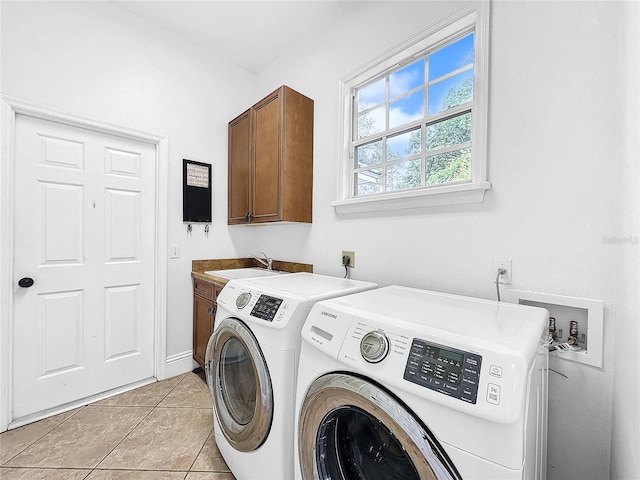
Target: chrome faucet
(267,262)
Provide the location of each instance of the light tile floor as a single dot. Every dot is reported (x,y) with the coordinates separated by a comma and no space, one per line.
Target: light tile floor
(163,431)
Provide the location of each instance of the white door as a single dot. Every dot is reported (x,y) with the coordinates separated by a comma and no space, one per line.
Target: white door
(85,233)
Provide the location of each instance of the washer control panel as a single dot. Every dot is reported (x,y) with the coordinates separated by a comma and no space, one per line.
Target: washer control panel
(446,370)
(266,307)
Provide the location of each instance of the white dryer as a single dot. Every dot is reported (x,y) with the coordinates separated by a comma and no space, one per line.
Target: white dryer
(401,383)
(251,367)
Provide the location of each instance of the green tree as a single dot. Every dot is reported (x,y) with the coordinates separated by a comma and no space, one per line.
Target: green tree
(442,168)
(453,166)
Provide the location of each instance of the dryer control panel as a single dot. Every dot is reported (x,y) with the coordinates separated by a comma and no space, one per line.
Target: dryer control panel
(446,370)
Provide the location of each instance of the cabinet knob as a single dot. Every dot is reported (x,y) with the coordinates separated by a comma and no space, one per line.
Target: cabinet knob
(248,216)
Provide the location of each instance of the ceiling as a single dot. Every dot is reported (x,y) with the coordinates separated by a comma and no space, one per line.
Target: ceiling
(248,33)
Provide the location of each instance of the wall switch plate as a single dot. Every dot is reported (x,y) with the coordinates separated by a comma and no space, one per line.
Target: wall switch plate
(174,251)
(352,258)
(505,264)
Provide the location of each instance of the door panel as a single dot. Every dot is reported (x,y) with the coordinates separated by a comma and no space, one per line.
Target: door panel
(61,220)
(61,152)
(122,225)
(122,321)
(85,232)
(60,327)
(118,162)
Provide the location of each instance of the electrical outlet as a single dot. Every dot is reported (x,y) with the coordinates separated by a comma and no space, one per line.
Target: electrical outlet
(174,251)
(505,264)
(352,258)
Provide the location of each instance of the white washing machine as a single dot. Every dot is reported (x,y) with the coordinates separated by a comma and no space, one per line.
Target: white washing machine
(251,367)
(401,383)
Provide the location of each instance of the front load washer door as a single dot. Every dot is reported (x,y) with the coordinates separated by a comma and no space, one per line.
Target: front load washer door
(240,385)
(351,428)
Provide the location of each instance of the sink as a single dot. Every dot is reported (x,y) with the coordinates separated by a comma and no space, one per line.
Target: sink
(235,273)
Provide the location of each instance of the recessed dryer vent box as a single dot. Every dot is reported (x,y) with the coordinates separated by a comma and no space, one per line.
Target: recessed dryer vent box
(588,313)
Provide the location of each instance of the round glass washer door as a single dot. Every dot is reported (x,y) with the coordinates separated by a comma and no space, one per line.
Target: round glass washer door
(240,385)
(351,428)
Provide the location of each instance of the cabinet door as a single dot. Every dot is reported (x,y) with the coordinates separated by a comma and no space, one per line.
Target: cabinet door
(267,154)
(204,311)
(240,171)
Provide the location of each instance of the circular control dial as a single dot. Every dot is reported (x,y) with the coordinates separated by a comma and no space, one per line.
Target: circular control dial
(374,346)
(243,299)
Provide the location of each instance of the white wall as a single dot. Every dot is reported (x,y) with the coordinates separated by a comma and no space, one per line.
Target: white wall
(557,174)
(625,446)
(93,59)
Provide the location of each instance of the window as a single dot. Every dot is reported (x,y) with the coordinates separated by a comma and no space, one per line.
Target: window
(415,123)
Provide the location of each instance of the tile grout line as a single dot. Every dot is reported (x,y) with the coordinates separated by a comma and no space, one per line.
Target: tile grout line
(90,470)
(127,435)
(153,408)
(195,459)
(212,433)
(41,436)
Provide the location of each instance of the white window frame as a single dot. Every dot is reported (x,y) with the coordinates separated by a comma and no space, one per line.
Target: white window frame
(474,15)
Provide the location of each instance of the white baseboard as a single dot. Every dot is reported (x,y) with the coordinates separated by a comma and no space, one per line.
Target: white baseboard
(179,363)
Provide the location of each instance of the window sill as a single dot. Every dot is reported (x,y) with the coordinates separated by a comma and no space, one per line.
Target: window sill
(432,197)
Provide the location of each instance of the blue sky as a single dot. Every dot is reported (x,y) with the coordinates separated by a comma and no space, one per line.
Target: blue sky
(441,62)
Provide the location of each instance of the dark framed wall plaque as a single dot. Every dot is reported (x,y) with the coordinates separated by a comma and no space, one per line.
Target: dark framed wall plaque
(196,191)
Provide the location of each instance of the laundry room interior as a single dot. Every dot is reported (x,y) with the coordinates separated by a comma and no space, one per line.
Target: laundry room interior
(559,204)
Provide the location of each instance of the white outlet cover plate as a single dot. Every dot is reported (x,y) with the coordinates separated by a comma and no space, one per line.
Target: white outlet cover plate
(499,263)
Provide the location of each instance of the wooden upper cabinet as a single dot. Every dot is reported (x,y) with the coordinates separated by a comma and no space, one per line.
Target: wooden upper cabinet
(239,168)
(271,160)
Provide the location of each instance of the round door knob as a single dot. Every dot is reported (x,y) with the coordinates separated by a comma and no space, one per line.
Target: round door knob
(25,282)
(374,346)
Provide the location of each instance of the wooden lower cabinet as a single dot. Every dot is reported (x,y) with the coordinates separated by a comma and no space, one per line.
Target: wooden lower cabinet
(204,315)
